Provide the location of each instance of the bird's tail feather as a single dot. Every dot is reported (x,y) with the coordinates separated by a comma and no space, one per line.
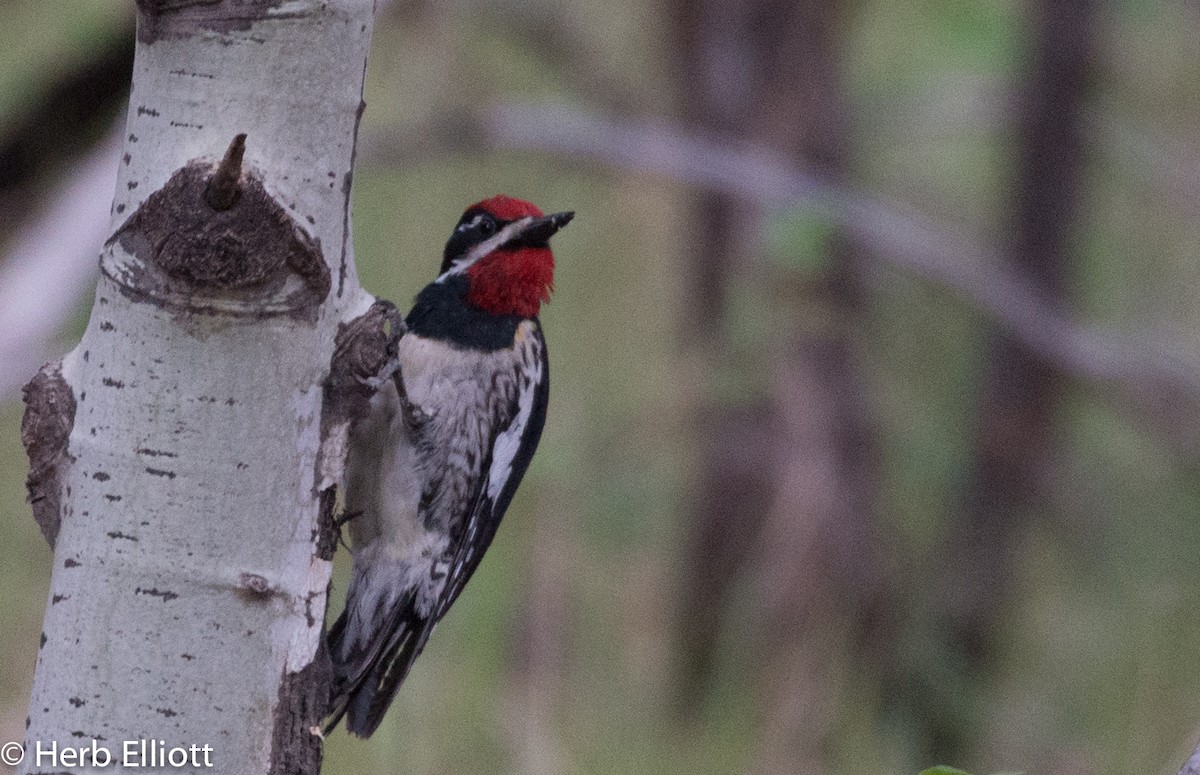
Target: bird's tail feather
(367,679)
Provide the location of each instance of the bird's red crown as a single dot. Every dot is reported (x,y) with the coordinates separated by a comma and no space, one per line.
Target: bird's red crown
(507,208)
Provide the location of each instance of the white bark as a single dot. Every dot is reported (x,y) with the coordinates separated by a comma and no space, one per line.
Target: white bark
(192,556)
(1192,765)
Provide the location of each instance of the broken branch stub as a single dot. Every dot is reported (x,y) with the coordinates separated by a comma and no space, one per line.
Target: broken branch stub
(213,239)
(225,185)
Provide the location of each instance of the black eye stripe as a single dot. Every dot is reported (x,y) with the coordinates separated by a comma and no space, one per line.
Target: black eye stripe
(475,227)
(470,215)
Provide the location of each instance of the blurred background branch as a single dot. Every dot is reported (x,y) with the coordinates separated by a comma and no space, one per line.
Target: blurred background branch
(1155,374)
(52,264)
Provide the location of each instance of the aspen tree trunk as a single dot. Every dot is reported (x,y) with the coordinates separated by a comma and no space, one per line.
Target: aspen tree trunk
(185,456)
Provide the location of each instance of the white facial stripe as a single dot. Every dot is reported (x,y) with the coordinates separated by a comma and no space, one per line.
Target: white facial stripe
(485,247)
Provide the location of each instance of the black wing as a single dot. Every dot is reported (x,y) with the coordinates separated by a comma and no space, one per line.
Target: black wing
(497,487)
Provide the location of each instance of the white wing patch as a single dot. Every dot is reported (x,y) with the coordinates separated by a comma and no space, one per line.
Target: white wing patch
(508,441)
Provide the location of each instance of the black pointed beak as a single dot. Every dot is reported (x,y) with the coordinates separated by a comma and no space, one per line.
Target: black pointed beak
(540,230)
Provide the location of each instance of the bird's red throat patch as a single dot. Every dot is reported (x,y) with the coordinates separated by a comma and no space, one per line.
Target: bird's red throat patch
(512,282)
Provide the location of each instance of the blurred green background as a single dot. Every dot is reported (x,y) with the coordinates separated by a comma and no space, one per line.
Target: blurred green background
(803,503)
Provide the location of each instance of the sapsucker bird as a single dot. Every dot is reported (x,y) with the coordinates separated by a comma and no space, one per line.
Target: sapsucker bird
(435,463)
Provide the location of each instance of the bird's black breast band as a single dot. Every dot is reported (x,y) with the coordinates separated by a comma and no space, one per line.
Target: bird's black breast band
(441,312)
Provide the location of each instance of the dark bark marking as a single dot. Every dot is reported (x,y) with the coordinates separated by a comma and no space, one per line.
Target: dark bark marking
(45,431)
(310,616)
(160,472)
(184,18)
(191,74)
(117,534)
(154,452)
(347,183)
(303,701)
(154,592)
(326,532)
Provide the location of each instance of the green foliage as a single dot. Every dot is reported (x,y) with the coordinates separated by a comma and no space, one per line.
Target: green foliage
(799,239)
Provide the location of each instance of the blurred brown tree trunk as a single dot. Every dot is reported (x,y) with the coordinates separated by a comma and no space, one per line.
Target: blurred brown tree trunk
(786,482)
(730,491)
(1015,431)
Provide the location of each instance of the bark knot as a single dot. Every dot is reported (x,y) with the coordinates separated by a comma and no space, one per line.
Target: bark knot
(45,431)
(364,356)
(213,239)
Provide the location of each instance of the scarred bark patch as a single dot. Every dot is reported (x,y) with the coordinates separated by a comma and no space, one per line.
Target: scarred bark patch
(177,18)
(327,528)
(364,355)
(45,430)
(250,257)
(303,701)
